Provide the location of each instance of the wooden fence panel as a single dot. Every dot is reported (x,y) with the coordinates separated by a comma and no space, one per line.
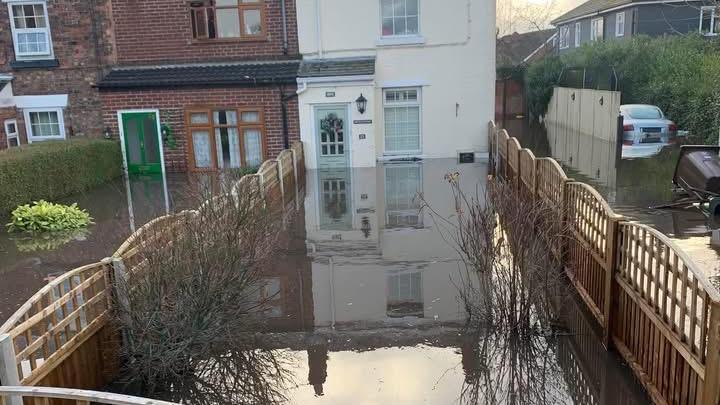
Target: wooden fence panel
(502,140)
(589,251)
(513,160)
(527,173)
(60,322)
(550,181)
(663,314)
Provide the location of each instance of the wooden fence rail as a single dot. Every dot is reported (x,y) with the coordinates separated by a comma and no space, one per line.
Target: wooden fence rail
(654,305)
(44,395)
(62,336)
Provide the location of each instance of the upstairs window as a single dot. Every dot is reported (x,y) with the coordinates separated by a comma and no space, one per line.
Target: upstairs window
(620,24)
(564,37)
(597,29)
(227,19)
(578,34)
(31,30)
(400,17)
(710,21)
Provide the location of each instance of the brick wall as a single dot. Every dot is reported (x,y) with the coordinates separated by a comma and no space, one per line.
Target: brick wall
(82,45)
(172,104)
(160,31)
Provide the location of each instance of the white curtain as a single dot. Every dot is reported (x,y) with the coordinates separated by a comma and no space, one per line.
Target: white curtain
(201,147)
(253,147)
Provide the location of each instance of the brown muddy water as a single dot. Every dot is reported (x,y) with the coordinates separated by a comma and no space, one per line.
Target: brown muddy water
(368,308)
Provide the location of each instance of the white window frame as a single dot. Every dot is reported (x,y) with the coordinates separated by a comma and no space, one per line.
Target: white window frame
(28,125)
(564,37)
(416,103)
(16,135)
(714,20)
(578,34)
(415,35)
(620,24)
(15,31)
(594,23)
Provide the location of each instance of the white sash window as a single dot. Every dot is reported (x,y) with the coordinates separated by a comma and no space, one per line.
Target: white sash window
(30,29)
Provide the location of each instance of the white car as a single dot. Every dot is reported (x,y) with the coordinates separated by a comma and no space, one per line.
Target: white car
(645,130)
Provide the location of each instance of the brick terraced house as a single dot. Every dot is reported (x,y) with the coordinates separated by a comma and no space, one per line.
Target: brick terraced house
(211,81)
(51,55)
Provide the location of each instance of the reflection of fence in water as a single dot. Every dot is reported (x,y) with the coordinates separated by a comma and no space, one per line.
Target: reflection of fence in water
(651,301)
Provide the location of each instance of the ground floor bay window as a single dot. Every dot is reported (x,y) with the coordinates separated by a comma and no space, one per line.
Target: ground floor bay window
(225,138)
(402,120)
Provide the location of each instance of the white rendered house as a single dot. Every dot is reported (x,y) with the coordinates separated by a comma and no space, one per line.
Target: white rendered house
(425,70)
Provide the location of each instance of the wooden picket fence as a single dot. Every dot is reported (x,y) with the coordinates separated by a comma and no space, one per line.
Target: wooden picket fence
(62,336)
(655,306)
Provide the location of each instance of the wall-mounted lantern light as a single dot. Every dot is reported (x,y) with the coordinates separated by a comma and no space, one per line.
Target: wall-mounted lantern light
(361,104)
(108,133)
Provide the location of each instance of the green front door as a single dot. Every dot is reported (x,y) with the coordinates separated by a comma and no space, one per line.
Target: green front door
(142,147)
(332,141)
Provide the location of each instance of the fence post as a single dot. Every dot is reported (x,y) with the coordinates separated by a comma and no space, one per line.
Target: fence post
(121,298)
(613,249)
(281,181)
(711,390)
(8,367)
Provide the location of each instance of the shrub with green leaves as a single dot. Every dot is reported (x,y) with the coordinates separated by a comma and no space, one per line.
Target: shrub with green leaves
(43,216)
(57,169)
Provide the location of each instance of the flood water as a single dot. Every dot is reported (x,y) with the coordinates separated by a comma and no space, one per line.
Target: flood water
(632,187)
(367,286)
(382,320)
(119,207)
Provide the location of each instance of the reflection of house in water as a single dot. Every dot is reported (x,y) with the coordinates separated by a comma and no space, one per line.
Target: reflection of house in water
(376,257)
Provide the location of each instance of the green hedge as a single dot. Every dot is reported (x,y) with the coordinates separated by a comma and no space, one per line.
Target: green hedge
(52,170)
(680,74)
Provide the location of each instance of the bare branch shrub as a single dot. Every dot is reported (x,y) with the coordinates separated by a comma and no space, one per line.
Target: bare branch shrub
(512,288)
(195,299)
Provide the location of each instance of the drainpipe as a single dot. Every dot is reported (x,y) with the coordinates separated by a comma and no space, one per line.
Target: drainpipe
(284,108)
(318,28)
(283,7)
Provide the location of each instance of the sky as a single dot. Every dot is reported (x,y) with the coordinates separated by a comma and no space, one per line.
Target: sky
(530,15)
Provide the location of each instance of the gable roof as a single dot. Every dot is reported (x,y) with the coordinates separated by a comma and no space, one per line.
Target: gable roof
(592,7)
(514,49)
(210,74)
(363,66)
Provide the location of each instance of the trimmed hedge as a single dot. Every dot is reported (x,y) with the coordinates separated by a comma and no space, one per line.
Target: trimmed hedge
(52,170)
(680,74)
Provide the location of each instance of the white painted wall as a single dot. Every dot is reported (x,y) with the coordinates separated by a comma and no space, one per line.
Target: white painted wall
(454,64)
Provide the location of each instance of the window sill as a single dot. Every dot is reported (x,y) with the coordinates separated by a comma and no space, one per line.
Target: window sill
(401,40)
(34,64)
(230,40)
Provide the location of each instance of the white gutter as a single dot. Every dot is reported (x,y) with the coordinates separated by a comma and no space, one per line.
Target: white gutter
(302,89)
(622,7)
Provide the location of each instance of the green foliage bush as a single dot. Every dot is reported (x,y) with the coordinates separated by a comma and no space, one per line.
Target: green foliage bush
(680,74)
(52,170)
(43,216)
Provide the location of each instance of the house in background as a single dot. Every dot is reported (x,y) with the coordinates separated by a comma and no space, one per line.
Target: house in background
(384,79)
(513,53)
(202,85)
(51,55)
(597,20)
